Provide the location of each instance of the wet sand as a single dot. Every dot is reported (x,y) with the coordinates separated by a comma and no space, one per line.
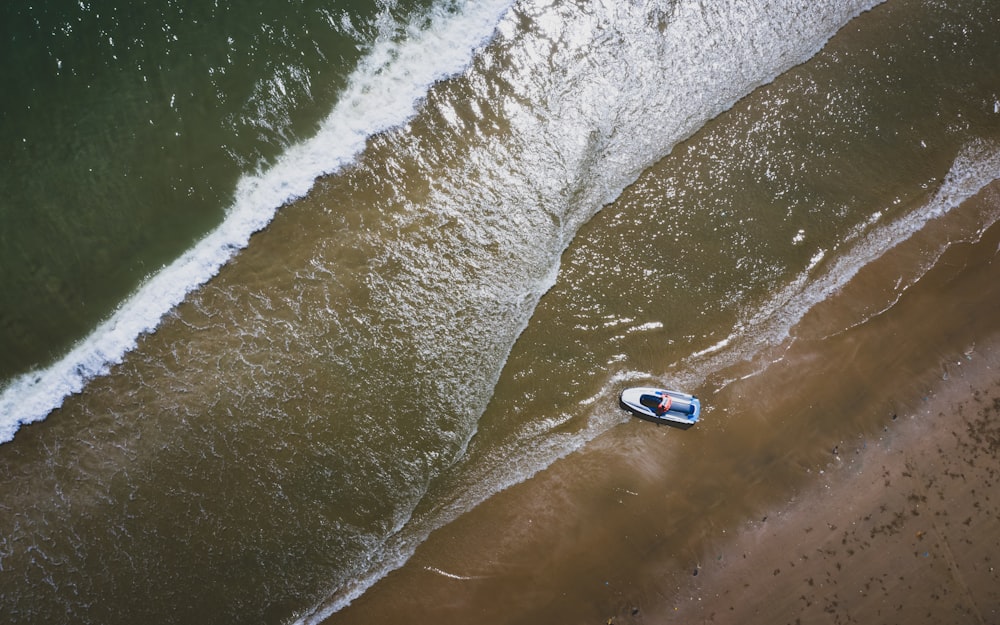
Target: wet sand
(848,475)
(903,524)
(904,529)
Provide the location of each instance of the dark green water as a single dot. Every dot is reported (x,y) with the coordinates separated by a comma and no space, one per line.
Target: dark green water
(126,127)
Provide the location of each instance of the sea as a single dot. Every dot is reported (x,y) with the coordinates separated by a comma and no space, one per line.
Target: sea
(289,286)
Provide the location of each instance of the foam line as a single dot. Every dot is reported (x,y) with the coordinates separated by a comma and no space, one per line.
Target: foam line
(385,91)
(975,167)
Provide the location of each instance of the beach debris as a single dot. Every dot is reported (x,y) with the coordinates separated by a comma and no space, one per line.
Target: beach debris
(635,610)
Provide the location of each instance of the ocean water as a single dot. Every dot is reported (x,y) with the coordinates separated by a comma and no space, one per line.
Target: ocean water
(133,133)
(323,373)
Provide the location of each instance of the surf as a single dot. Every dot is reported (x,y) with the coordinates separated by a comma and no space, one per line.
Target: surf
(383,92)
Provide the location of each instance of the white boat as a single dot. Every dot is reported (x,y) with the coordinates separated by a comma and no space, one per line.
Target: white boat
(661,405)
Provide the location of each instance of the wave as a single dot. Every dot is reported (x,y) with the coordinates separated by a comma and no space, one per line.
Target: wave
(975,167)
(383,92)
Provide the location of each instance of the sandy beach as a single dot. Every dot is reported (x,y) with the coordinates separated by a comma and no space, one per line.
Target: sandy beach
(905,529)
(903,523)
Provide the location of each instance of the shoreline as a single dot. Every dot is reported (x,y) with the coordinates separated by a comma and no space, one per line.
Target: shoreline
(649,524)
(900,529)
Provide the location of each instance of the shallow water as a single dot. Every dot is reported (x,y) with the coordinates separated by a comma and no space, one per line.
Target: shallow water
(643,518)
(445,316)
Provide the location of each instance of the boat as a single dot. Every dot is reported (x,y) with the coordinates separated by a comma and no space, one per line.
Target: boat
(661,405)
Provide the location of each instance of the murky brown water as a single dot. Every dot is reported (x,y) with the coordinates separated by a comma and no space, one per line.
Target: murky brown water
(351,383)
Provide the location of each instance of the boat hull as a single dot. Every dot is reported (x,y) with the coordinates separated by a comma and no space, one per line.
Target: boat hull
(641,401)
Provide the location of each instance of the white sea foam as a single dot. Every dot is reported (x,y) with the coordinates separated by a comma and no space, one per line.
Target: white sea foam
(463,578)
(382,93)
(713,348)
(647,327)
(975,167)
